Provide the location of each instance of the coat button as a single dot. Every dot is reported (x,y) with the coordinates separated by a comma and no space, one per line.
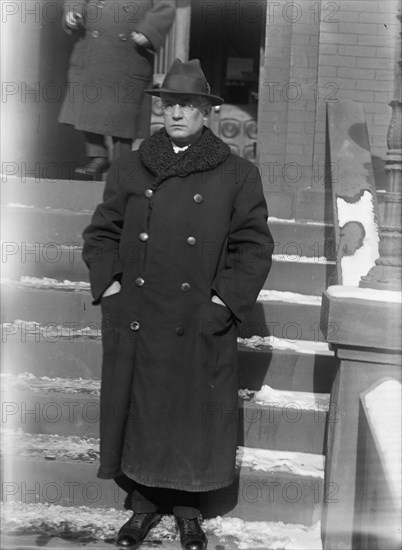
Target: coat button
(144,236)
(148,193)
(95,34)
(185,287)
(198,198)
(123,37)
(135,326)
(139,281)
(180,331)
(191,241)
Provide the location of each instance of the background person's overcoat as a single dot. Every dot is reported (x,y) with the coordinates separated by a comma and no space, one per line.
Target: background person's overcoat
(176,229)
(108,72)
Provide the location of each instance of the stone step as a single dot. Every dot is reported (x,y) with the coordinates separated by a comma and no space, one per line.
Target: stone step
(29,526)
(50,351)
(288,273)
(302,204)
(31,225)
(24,227)
(52,193)
(50,303)
(296,239)
(269,485)
(268,419)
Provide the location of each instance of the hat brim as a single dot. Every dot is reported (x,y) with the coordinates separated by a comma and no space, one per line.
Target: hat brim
(212,99)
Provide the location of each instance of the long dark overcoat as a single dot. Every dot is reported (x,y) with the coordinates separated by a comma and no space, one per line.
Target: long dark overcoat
(108,72)
(176,229)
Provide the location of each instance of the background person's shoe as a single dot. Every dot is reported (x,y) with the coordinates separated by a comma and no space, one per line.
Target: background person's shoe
(192,537)
(95,168)
(134,531)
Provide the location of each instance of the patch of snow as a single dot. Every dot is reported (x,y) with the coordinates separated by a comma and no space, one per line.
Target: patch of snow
(84,525)
(45,282)
(338,291)
(362,211)
(289,297)
(297,463)
(51,332)
(50,447)
(302,259)
(299,346)
(273,219)
(29,382)
(282,398)
(243,535)
(19,205)
(383,404)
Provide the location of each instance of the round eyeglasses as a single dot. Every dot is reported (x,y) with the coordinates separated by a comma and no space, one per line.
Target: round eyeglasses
(186,107)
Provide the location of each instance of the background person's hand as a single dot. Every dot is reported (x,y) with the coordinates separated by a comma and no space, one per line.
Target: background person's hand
(140,39)
(73,19)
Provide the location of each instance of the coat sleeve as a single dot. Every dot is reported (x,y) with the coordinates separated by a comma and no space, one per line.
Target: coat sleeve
(249,251)
(102,237)
(157,22)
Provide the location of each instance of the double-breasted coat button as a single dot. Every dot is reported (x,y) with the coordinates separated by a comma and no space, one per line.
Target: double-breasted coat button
(95,34)
(144,236)
(139,281)
(135,326)
(180,331)
(198,198)
(148,193)
(185,287)
(191,241)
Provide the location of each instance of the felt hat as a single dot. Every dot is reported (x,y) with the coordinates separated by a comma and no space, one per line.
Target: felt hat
(186,78)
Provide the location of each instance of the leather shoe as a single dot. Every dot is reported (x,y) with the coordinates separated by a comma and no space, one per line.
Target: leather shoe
(134,531)
(95,168)
(192,537)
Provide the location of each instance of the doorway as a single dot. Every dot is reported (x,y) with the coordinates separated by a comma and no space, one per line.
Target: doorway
(228,36)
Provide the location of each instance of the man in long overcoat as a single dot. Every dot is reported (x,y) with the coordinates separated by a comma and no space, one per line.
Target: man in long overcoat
(110,67)
(178,252)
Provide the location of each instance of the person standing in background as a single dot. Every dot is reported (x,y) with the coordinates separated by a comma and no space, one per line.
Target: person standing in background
(110,67)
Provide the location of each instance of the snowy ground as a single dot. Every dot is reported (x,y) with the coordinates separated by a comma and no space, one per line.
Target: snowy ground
(82,526)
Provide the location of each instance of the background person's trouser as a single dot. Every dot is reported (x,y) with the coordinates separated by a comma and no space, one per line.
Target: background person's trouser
(95,145)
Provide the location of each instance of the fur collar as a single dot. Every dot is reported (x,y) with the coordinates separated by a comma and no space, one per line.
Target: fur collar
(157,155)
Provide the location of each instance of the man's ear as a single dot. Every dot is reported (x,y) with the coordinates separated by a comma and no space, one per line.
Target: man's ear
(207,111)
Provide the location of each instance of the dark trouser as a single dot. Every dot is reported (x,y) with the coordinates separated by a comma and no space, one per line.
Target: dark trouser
(185,504)
(95,145)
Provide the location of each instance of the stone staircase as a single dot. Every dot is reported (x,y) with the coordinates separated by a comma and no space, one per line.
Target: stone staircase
(51,369)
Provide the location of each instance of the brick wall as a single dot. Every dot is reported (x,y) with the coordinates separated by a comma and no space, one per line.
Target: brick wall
(315,53)
(357,60)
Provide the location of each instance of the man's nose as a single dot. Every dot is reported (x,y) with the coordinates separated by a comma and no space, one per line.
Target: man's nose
(177,111)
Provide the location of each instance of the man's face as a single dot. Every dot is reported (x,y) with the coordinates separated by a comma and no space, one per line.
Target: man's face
(184,116)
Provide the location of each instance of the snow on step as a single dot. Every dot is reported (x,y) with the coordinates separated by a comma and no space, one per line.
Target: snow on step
(50,332)
(46,282)
(28,382)
(295,258)
(293,221)
(282,398)
(264,295)
(289,297)
(262,343)
(83,525)
(297,463)
(54,447)
(49,447)
(265,396)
